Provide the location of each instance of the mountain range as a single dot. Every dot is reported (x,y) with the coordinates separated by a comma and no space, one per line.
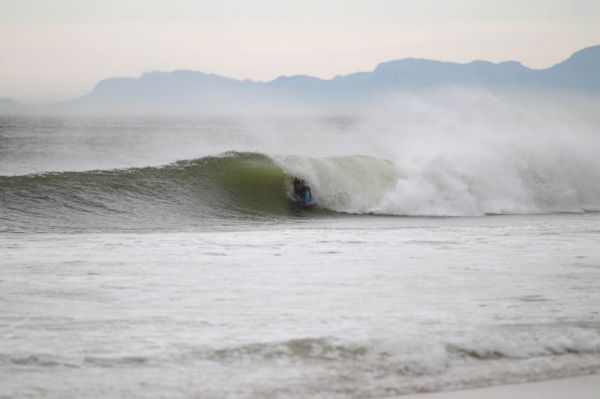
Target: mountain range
(579,73)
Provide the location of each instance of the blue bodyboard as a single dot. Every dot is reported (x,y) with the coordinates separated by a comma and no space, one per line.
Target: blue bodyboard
(308,201)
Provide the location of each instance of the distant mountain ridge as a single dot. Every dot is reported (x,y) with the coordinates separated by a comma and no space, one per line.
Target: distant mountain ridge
(579,73)
(8,102)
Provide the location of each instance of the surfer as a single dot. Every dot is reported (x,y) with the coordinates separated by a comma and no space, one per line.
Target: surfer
(302,193)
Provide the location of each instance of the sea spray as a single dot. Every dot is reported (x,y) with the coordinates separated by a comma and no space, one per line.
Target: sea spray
(468,152)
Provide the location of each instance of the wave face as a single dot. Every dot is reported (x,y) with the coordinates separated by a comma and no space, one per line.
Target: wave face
(253,185)
(188,193)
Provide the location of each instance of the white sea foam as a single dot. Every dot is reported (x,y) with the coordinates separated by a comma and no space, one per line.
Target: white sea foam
(463,153)
(311,308)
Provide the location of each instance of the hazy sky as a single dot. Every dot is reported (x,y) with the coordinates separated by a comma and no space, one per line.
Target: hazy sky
(58,49)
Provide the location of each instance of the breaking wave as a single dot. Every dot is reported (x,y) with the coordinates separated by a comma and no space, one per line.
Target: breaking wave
(254,185)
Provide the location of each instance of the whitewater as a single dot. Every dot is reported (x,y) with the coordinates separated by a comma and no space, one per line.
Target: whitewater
(455,246)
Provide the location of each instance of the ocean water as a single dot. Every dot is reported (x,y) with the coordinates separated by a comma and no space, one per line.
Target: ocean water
(164,257)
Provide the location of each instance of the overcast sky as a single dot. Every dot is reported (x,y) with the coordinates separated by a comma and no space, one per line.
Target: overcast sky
(54,50)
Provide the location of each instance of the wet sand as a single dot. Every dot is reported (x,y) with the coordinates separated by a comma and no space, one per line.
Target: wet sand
(587,387)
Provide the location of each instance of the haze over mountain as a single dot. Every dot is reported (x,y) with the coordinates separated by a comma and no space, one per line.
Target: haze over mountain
(579,73)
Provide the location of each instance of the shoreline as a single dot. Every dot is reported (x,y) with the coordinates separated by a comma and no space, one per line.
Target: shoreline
(585,387)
